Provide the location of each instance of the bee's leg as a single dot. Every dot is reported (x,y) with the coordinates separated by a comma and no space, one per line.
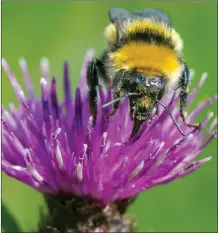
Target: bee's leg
(136,126)
(115,105)
(93,70)
(157,110)
(184,84)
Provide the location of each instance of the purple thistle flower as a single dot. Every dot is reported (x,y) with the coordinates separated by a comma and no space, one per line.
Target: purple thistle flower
(52,147)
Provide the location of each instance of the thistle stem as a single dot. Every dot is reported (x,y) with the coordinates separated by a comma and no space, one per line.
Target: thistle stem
(82,215)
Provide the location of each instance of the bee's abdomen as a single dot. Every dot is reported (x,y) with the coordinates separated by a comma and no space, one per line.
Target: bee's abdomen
(147,31)
(147,36)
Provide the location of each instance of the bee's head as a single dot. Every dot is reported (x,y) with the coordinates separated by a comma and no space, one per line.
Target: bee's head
(147,85)
(148,89)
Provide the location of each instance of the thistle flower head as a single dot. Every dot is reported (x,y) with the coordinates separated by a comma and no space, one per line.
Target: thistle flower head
(50,145)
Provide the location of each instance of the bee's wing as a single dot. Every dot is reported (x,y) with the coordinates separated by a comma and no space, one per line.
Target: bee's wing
(153,13)
(118,15)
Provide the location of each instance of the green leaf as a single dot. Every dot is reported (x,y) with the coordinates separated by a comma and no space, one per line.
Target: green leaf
(9,223)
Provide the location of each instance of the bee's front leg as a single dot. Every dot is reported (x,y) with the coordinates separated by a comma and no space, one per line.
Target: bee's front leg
(184,84)
(115,105)
(136,126)
(92,81)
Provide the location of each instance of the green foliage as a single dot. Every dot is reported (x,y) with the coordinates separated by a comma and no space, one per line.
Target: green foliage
(64,31)
(9,223)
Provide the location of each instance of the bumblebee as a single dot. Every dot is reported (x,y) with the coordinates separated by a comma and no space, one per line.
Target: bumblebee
(143,60)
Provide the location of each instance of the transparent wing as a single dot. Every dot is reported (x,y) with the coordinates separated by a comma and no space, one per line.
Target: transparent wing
(153,13)
(118,15)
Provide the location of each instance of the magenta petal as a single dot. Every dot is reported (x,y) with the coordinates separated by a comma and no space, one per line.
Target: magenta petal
(52,147)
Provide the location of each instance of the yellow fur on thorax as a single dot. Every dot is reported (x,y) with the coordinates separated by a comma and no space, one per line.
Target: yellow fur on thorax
(142,56)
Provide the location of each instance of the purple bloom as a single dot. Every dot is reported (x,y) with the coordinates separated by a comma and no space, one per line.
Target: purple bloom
(52,147)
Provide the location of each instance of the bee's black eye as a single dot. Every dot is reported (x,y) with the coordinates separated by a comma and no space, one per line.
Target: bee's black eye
(154,84)
(154,80)
(136,79)
(160,83)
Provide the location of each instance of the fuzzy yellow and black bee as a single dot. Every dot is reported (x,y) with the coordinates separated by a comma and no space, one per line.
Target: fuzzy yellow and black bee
(143,60)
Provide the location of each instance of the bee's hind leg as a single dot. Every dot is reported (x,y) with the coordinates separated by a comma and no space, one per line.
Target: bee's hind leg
(184,84)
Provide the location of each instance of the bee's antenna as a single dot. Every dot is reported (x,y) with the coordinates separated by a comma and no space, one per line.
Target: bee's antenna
(117,99)
(170,114)
(113,101)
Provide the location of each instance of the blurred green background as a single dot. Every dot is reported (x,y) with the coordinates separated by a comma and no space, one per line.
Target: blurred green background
(64,31)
